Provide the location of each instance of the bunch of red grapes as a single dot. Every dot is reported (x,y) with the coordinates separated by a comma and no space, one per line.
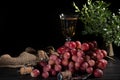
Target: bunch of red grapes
(75,56)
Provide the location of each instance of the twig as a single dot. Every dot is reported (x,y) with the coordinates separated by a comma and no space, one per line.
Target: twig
(81,77)
(111,58)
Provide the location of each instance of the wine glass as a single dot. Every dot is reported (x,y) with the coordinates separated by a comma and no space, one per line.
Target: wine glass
(68,25)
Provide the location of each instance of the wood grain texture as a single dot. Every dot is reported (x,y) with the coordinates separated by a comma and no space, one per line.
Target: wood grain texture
(112,72)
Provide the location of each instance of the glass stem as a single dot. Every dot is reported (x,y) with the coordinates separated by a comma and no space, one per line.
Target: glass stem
(68,39)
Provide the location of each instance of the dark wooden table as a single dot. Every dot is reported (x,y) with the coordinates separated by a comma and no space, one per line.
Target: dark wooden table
(112,72)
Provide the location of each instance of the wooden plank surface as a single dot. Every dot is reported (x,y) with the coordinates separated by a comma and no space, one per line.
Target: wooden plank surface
(112,72)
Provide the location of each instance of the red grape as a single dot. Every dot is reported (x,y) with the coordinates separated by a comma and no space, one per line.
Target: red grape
(78,44)
(91,62)
(65,62)
(45,74)
(53,72)
(85,46)
(58,67)
(98,73)
(89,70)
(35,73)
(104,52)
(66,55)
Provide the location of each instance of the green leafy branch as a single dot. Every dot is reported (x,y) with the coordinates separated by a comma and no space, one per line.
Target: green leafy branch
(100,21)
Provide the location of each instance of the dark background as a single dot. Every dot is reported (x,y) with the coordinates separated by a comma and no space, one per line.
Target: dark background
(36,24)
